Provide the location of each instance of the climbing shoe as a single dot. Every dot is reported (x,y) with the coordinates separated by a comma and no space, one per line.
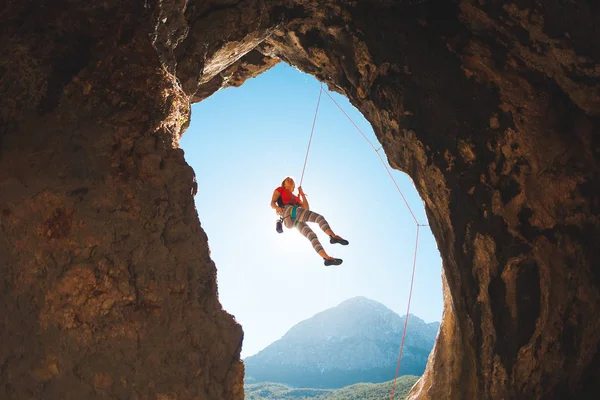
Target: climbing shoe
(341,241)
(335,261)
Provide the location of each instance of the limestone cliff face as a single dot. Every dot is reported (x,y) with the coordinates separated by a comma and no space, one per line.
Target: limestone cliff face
(107,288)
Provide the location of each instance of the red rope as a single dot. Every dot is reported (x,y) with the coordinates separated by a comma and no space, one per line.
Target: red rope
(416,243)
(407,312)
(379,155)
(311,134)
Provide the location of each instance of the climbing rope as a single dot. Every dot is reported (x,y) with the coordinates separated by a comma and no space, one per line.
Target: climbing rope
(412,280)
(311,134)
(405,202)
(378,155)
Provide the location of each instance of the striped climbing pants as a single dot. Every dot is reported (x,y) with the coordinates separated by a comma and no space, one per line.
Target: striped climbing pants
(302,217)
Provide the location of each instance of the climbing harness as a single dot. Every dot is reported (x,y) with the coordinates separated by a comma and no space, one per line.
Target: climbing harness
(279,222)
(418,225)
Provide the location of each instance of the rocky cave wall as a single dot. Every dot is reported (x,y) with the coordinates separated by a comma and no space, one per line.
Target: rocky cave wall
(108,289)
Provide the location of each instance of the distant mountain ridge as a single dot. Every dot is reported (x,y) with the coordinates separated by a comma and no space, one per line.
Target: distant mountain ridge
(357,341)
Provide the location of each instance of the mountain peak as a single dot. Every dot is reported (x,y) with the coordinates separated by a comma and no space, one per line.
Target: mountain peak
(359,299)
(346,341)
(362,301)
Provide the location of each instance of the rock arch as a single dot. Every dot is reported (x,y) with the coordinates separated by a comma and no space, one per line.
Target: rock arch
(107,285)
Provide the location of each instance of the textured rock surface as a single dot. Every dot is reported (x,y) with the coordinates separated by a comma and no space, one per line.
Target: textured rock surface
(107,288)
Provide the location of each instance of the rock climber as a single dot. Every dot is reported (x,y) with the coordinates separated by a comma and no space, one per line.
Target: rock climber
(295,212)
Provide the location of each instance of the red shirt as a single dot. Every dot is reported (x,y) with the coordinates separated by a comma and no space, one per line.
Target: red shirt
(287,197)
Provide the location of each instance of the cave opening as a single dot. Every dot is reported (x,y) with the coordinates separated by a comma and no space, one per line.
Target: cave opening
(241,143)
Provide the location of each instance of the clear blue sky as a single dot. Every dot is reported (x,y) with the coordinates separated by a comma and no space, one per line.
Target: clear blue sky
(241,143)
